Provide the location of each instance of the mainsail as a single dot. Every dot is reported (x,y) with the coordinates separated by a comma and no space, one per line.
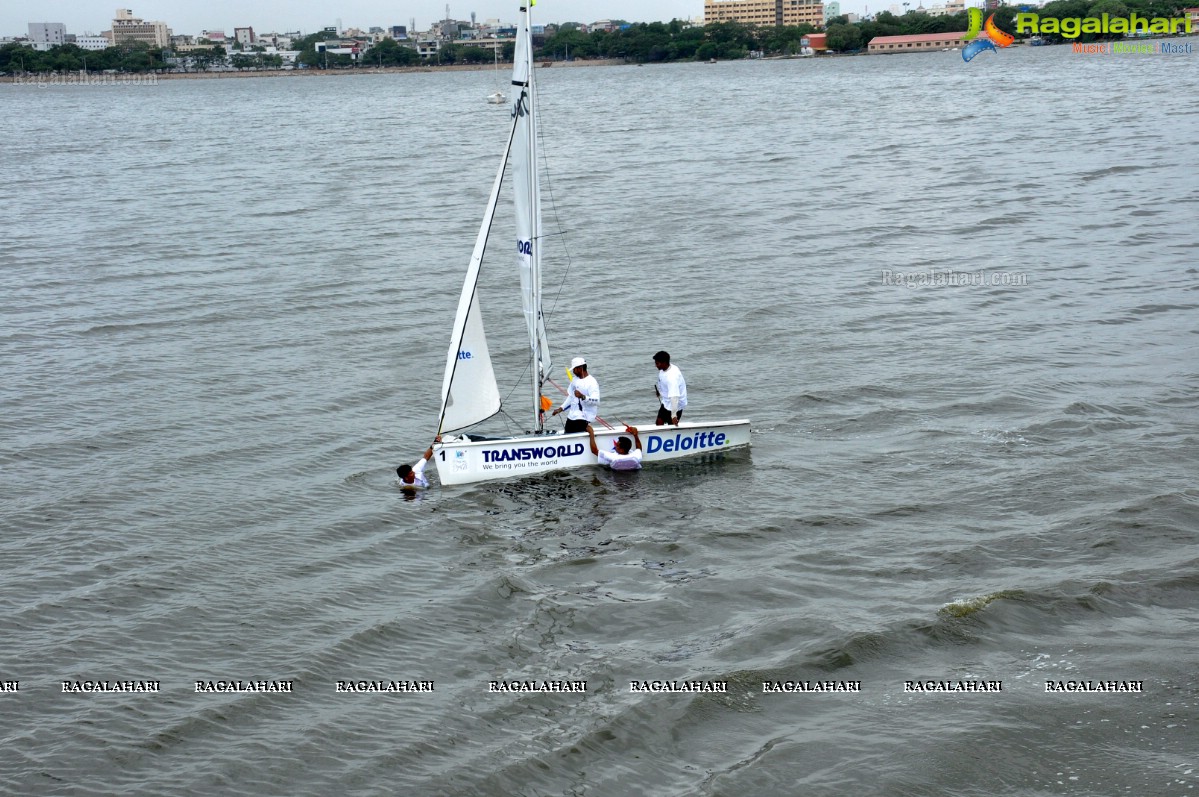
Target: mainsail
(528,208)
(469,393)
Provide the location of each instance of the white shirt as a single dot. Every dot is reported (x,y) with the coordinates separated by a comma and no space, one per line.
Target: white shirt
(578,409)
(418,472)
(615,461)
(671,384)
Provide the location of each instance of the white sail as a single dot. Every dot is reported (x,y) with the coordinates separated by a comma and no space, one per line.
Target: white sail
(528,206)
(469,392)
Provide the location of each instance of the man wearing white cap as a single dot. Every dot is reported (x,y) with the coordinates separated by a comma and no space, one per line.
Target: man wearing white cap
(582,400)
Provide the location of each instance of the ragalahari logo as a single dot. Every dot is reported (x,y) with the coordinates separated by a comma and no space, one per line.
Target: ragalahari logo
(986,37)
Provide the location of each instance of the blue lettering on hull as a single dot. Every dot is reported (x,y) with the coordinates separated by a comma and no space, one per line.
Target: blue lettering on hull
(533,452)
(696,441)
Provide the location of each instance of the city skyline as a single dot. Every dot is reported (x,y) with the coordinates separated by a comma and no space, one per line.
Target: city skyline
(192,16)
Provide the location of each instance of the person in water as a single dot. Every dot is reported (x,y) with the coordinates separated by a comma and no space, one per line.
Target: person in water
(624,456)
(671,390)
(414,475)
(582,400)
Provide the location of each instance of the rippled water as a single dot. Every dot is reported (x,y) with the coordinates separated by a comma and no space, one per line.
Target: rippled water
(226,306)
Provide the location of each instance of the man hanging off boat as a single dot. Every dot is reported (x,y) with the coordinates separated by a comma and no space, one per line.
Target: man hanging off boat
(582,398)
(623,456)
(414,475)
(671,390)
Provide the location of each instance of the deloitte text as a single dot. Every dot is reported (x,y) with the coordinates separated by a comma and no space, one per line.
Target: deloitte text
(684,442)
(1073,27)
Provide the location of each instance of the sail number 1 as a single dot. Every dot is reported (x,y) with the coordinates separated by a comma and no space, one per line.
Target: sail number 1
(524,247)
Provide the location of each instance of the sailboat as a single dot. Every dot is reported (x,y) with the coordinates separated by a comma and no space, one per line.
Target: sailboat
(469,392)
(496,97)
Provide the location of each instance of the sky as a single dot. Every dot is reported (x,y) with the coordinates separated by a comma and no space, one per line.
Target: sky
(278,16)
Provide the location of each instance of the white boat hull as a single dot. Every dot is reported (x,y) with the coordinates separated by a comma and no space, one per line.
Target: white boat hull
(466,461)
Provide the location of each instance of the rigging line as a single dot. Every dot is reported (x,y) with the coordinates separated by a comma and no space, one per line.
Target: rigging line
(549,186)
(519,382)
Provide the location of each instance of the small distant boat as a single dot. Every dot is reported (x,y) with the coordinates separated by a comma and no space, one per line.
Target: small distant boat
(497,97)
(1037,41)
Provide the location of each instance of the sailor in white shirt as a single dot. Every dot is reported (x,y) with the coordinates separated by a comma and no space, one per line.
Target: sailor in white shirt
(413,476)
(671,390)
(582,400)
(623,456)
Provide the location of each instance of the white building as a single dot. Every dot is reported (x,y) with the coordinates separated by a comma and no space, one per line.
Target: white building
(90,41)
(44,35)
(348,47)
(281,41)
(831,10)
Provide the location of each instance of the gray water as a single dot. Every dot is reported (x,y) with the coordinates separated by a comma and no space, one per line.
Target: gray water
(226,306)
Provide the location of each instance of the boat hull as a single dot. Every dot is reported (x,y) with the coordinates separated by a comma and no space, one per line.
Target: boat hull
(466,461)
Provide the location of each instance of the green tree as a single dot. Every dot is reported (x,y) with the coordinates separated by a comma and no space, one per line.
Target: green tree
(844,38)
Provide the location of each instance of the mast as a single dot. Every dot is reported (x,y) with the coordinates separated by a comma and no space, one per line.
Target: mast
(528,210)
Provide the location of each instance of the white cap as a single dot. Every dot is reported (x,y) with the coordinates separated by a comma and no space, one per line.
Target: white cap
(576,362)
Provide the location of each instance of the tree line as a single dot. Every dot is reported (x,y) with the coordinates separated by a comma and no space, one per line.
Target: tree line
(642,42)
(132,57)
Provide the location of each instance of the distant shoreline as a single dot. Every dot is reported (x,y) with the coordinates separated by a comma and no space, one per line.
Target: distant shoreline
(33,78)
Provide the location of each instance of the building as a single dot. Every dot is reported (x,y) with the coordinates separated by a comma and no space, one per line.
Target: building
(90,41)
(1193,15)
(919,43)
(245,37)
(831,11)
(765,12)
(350,47)
(497,45)
(280,41)
(44,35)
(128,28)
